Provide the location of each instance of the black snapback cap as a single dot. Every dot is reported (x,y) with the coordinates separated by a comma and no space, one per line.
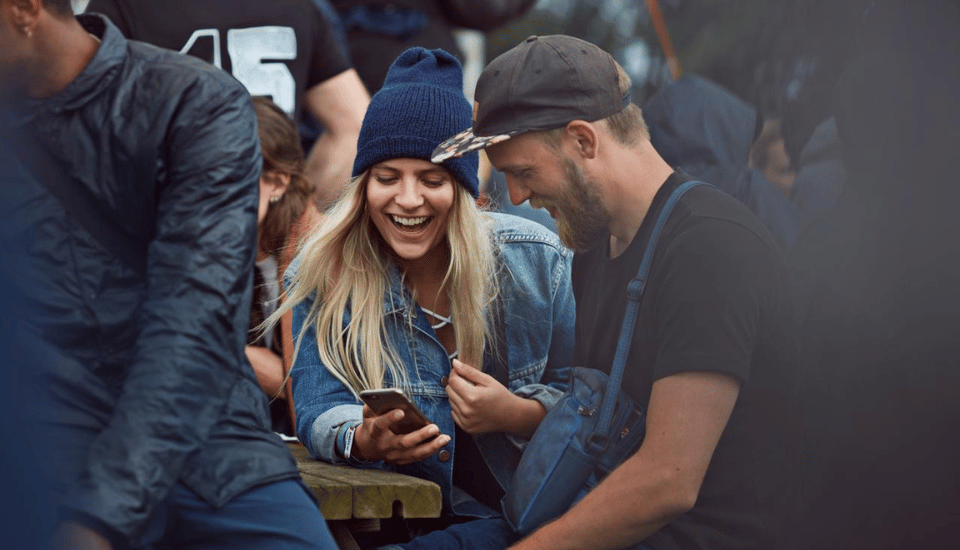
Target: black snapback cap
(542,83)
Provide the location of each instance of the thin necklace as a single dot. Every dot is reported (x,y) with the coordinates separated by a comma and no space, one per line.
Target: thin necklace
(443,321)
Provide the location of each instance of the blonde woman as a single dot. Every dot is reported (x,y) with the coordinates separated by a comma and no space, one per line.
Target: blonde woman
(408,284)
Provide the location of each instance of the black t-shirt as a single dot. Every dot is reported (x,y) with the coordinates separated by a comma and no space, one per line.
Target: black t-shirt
(717,299)
(389,28)
(279,48)
(471,473)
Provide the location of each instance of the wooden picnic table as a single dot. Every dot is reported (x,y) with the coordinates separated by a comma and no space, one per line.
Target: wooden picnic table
(354,500)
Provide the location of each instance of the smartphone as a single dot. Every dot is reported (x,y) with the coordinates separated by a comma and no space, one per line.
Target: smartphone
(385,400)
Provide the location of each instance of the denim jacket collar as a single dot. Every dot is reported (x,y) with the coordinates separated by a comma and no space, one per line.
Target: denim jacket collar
(398,297)
(400,301)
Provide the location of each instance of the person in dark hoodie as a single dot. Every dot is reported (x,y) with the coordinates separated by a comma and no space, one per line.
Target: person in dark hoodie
(820,172)
(708,132)
(881,457)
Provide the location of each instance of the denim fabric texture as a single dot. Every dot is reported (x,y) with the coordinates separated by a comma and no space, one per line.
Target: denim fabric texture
(481,534)
(534,333)
(477,534)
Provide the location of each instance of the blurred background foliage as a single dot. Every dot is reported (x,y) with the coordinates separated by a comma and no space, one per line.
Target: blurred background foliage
(779,55)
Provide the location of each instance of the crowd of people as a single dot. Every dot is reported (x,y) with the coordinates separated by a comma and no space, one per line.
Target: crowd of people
(187,281)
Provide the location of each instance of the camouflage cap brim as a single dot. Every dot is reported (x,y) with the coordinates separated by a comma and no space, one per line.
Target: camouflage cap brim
(464,142)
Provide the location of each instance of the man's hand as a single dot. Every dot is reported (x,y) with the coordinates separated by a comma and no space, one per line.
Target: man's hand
(71,535)
(480,404)
(374,440)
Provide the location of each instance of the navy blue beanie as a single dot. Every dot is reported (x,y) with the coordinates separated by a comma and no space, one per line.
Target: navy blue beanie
(420,104)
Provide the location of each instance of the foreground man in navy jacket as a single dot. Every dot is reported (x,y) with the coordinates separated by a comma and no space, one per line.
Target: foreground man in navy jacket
(130,229)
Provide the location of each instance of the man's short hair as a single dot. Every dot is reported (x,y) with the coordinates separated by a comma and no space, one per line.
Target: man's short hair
(626,126)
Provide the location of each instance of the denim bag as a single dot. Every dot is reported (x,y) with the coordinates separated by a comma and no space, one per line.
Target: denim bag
(591,430)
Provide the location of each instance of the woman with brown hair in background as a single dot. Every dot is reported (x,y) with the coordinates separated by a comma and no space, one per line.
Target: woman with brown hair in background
(285,213)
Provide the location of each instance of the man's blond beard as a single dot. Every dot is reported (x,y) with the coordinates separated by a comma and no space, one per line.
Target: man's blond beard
(580,215)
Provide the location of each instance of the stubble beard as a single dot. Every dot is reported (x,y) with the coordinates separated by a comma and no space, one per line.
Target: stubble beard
(581,218)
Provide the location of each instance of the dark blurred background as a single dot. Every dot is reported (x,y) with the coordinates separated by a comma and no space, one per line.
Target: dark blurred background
(780,56)
(768,53)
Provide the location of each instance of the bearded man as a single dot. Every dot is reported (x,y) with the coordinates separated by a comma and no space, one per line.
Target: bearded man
(714,340)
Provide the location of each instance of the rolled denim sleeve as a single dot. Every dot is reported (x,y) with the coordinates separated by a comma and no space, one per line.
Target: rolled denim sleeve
(324,406)
(546,395)
(327,440)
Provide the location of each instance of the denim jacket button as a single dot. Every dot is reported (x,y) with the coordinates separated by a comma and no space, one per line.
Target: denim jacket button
(443,381)
(444,455)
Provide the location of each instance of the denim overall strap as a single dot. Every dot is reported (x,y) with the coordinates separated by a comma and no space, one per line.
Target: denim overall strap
(634,292)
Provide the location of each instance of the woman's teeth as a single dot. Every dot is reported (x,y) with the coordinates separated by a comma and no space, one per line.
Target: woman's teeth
(410,222)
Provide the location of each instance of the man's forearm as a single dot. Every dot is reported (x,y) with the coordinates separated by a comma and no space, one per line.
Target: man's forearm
(573,533)
(329,166)
(633,502)
(339,104)
(75,536)
(686,415)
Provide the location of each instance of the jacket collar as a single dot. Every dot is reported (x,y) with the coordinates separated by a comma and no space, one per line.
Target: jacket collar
(397,297)
(98,75)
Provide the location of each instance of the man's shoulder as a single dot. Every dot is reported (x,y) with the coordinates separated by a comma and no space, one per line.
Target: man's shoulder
(710,209)
(171,72)
(154,70)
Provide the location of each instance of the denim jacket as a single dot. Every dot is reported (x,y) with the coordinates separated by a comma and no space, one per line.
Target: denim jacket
(531,356)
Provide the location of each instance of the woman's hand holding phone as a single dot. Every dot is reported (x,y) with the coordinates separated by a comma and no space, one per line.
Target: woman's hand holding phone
(375,439)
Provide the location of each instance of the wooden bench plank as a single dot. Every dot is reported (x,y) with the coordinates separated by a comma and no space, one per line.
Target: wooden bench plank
(375,494)
(335,499)
(299,452)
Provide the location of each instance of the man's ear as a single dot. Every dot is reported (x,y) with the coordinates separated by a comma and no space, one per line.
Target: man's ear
(22,13)
(584,138)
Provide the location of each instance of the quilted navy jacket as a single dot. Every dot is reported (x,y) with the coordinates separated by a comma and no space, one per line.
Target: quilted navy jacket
(144,379)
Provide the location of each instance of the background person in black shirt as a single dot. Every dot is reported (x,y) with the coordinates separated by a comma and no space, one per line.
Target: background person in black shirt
(284,49)
(714,339)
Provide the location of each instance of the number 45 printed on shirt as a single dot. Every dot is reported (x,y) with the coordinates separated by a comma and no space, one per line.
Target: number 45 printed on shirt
(248,50)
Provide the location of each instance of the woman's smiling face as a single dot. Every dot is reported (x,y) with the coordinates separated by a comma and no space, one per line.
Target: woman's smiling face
(409,201)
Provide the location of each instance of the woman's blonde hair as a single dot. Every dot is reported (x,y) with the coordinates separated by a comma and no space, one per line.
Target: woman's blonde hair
(345,267)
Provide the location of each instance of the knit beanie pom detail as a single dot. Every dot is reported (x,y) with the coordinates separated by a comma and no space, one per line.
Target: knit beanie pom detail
(420,104)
